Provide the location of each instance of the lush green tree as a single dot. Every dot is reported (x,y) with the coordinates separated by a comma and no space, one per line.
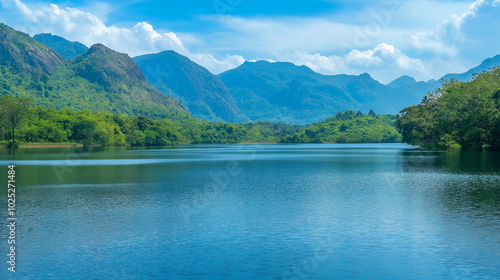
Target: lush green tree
(348,127)
(456,115)
(13,112)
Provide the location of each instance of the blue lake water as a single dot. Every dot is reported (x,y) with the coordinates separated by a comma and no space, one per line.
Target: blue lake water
(326,211)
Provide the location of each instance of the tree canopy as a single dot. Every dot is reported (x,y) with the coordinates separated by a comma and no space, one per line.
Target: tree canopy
(456,115)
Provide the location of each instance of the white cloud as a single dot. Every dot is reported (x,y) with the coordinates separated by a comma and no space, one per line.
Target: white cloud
(443,39)
(375,39)
(77,25)
(385,62)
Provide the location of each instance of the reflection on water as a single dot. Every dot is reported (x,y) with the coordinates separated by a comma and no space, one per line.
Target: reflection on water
(256,212)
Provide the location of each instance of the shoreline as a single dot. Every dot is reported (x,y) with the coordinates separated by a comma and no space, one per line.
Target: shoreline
(49,145)
(76,145)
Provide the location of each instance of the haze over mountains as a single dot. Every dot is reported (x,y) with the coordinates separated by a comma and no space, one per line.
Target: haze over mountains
(65,48)
(202,93)
(282,92)
(101,79)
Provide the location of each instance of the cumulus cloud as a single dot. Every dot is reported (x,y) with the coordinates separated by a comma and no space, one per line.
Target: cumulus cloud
(89,29)
(375,39)
(385,62)
(443,39)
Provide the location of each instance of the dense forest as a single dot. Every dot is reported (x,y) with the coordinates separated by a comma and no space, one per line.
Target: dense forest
(349,127)
(457,115)
(23,122)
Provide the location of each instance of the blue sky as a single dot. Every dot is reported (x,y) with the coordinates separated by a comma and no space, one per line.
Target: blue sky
(421,38)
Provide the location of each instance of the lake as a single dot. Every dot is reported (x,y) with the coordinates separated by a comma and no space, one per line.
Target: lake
(325,211)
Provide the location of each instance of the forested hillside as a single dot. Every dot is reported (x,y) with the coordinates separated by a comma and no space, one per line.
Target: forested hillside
(349,127)
(22,122)
(456,115)
(99,80)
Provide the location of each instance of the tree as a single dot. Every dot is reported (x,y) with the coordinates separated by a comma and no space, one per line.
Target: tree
(13,112)
(457,115)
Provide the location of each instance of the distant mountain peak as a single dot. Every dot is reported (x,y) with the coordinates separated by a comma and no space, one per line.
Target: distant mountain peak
(98,49)
(107,67)
(54,38)
(402,81)
(279,66)
(365,76)
(486,65)
(64,47)
(199,90)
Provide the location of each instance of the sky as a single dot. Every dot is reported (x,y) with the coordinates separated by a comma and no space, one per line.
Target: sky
(425,39)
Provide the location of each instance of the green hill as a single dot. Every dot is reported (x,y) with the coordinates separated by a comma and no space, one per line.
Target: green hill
(21,53)
(349,127)
(99,80)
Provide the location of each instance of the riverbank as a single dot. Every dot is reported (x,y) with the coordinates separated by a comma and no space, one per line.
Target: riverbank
(49,145)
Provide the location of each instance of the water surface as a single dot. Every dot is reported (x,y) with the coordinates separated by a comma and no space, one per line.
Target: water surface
(326,211)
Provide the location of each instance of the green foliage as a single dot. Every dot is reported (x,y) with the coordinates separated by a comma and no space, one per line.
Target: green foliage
(13,112)
(459,114)
(99,80)
(41,125)
(24,54)
(348,127)
(64,89)
(223,133)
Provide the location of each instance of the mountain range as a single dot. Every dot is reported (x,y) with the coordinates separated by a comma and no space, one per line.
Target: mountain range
(202,93)
(60,74)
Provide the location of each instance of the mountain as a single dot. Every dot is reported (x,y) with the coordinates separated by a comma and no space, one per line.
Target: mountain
(414,90)
(402,82)
(99,80)
(284,92)
(22,53)
(122,80)
(65,48)
(288,93)
(202,93)
(419,89)
(486,65)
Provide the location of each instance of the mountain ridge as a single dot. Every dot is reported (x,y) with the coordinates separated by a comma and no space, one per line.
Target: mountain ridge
(67,49)
(254,91)
(99,80)
(201,92)
(23,53)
